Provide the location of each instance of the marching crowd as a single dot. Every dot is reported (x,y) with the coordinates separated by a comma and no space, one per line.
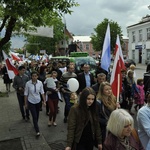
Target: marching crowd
(92,113)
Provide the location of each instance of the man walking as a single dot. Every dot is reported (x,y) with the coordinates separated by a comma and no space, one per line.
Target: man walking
(64,88)
(19,85)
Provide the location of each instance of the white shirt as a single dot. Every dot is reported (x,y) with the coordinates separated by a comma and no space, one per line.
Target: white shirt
(32,91)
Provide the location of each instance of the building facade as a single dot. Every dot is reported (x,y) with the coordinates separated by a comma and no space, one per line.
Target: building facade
(139,41)
(84,45)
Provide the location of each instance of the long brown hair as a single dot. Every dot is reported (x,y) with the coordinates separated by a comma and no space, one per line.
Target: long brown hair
(83,102)
(111,102)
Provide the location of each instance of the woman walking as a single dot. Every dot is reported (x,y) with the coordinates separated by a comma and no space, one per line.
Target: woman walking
(33,89)
(83,127)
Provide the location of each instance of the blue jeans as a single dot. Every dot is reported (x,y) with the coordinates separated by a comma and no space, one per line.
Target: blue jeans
(67,104)
(24,111)
(34,109)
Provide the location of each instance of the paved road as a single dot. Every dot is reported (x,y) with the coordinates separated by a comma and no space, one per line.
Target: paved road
(12,126)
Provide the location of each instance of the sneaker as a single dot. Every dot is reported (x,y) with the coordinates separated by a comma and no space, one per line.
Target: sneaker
(54,124)
(65,120)
(49,123)
(47,113)
(38,134)
(27,118)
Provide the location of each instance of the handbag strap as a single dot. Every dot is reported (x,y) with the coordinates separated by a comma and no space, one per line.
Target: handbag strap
(135,135)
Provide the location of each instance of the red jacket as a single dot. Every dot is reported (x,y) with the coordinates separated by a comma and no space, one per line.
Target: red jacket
(112,143)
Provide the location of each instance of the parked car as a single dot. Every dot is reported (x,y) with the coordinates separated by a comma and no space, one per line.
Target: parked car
(129,62)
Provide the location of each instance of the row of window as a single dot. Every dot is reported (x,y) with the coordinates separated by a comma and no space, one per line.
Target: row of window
(141,35)
(87,46)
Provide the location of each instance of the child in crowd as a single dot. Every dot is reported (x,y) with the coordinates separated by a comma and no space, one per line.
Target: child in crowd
(52,83)
(139,96)
(73,98)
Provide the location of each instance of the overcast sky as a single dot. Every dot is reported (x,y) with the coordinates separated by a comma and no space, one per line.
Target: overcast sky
(92,12)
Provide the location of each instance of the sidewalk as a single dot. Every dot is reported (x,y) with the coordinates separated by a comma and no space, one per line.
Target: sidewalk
(13,127)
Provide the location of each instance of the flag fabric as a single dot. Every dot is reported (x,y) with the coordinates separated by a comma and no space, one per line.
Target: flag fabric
(118,47)
(15,57)
(116,78)
(106,54)
(11,69)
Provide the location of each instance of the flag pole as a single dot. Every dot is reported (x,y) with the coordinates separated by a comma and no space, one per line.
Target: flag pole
(118,88)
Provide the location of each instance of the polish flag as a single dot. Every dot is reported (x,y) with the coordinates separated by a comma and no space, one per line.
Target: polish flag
(116,79)
(11,69)
(15,57)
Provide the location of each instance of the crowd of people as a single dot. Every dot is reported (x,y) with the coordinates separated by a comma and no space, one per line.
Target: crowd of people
(93,115)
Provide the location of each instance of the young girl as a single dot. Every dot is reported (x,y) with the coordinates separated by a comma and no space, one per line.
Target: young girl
(83,127)
(140,96)
(106,103)
(132,90)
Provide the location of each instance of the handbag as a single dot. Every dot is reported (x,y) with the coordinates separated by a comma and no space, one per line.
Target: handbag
(135,135)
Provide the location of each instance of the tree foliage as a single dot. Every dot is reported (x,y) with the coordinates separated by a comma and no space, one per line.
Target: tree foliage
(100,31)
(16,15)
(35,43)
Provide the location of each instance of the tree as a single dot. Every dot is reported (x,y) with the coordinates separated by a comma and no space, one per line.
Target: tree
(100,30)
(16,15)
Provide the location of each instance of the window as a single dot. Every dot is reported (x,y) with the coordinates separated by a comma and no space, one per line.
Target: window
(148,33)
(140,35)
(133,54)
(81,46)
(133,36)
(87,46)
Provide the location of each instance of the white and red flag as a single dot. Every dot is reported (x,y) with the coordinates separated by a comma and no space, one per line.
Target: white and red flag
(116,78)
(15,57)
(11,69)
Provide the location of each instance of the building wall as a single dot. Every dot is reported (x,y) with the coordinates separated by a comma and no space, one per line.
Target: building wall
(139,44)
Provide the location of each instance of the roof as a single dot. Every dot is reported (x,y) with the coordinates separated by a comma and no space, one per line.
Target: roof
(68,33)
(81,38)
(144,20)
(88,38)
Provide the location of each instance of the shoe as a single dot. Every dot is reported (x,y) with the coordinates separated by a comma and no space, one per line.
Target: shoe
(65,120)
(27,118)
(54,124)
(38,134)
(47,113)
(49,123)
(61,100)
(131,113)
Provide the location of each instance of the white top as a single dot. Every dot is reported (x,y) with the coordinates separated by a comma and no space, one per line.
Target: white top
(50,83)
(32,91)
(63,69)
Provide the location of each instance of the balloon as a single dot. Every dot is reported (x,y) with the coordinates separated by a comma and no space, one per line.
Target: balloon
(73,84)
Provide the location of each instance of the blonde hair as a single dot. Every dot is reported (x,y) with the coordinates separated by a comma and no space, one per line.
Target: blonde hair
(132,66)
(118,119)
(111,103)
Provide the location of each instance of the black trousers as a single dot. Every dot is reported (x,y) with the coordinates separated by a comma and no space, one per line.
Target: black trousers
(24,111)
